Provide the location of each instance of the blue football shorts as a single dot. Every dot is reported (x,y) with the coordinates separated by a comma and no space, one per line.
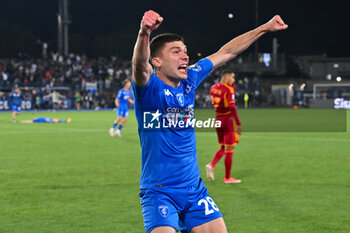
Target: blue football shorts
(179,208)
(16,108)
(122,112)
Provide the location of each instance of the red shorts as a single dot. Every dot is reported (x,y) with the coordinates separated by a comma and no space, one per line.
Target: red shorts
(227,132)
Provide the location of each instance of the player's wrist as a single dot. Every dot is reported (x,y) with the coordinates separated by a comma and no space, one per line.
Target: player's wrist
(144,32)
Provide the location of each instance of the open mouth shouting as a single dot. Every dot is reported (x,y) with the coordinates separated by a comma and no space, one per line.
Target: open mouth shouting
(183,68)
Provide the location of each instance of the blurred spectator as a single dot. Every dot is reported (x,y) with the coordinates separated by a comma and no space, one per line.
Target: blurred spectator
(77,98)
(55,99)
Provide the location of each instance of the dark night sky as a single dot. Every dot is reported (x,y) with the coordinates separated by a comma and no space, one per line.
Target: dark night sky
(314,26)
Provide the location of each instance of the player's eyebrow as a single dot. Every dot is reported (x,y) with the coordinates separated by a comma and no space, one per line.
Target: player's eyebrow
(178,47)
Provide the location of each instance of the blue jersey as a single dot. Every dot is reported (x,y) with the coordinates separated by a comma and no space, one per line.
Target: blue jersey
(123,97)
(15,99)
(43,120)
(168,152)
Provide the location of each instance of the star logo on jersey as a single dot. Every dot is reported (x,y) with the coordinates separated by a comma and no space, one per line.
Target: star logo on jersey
(167,92)
(151,120)
(163,210)
(188,89)
(180,98)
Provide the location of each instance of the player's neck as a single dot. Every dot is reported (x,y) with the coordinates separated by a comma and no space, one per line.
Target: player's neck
(173,82)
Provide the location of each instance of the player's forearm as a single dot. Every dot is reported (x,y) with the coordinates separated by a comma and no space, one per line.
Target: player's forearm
(235,116)
(140,59)
(240,43)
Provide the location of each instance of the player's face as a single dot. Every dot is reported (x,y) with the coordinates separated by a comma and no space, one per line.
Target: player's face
(174,60)
(127,85)
(231,79)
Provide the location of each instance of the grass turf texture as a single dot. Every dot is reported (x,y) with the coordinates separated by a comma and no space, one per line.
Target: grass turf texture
(76,178)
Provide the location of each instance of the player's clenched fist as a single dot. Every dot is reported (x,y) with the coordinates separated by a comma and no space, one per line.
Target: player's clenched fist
(150,21)
(276,24)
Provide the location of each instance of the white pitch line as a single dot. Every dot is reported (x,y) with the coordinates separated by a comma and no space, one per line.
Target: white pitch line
(56,130)
(300,139)
(287,138)
(68,130)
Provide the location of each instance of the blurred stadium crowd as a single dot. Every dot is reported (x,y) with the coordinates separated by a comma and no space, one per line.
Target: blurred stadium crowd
(64,82)
(76,81)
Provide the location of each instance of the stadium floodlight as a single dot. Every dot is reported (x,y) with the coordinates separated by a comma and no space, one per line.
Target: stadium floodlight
(63,23)
(59,34)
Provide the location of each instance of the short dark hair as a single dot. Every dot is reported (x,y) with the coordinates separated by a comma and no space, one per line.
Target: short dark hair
(160,40)
(226,71)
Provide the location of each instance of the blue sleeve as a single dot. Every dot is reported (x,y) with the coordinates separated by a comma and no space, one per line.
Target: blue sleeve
(199,71)
(119,95)
(139,92)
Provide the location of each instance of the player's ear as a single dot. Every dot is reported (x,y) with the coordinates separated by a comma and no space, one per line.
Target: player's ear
(156,62)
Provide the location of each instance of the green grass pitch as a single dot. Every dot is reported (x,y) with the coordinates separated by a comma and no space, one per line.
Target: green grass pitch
(71,178)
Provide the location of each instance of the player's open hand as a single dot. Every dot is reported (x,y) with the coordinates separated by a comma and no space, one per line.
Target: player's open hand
(150,21)
(276,24)
(239,129)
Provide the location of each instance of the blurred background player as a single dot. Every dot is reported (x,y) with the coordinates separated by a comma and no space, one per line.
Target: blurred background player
(55,99)
(223,98)
(15,100)
(46,120)
(35,100)
(121,102)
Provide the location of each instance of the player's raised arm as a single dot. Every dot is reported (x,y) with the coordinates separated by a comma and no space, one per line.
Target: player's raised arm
(141,69)
(242,42)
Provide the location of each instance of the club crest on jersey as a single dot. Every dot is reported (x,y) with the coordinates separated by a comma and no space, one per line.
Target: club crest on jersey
(180,98)
(163,211)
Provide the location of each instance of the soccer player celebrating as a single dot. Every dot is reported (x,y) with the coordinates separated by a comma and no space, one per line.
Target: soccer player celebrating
(121,102)
(15,102)
(172,193)
(223,98)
